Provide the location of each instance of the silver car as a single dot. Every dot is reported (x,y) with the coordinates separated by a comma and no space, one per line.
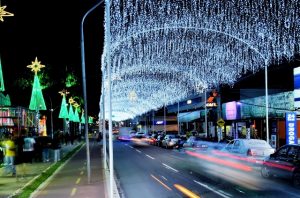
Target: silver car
(170,141)
(251,150)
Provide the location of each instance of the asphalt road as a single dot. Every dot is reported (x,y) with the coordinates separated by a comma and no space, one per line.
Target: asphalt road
(154,172)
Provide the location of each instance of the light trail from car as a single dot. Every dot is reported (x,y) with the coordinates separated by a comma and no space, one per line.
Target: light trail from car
(186,191)
(220,161)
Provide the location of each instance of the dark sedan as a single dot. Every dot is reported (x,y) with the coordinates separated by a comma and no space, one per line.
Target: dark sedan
(284,163)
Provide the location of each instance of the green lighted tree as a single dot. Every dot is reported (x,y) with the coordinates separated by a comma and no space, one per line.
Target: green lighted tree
(37,100)
(71,113)
(4,100)
(1,78)
(91,119)
(76,115)
(82,118)
(63,113)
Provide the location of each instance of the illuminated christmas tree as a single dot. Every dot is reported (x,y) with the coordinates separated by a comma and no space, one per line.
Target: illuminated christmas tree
(82,118)
(91,119)
(63,113)
(37,100)
(64,110)
(76,114)
(4,100)
(71,111)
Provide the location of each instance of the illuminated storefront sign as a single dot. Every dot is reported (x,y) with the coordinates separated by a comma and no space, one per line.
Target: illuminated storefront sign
(159,122)
(291,128)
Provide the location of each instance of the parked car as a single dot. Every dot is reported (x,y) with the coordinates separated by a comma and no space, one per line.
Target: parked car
(152,139)
(255,150)
(170,141)
(196,142)
(284,163)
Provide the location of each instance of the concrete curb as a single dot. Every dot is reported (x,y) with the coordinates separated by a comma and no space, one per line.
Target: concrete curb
(116,192)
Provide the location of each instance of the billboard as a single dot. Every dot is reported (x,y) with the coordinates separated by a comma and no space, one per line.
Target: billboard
(291,128)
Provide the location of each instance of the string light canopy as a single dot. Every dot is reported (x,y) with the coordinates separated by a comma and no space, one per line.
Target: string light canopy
(165,50)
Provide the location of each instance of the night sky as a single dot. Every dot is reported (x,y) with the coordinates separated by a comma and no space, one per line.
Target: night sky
(50,30)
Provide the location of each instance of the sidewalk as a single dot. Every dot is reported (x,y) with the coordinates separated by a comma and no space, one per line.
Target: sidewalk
(10,185)
(100,180)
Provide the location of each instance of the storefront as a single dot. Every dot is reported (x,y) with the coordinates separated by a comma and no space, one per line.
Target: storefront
(247,117)
(15,119)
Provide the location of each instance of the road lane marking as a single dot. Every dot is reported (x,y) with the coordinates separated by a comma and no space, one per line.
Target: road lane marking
(131,147)
(225,193)
(164,178)
(73,192)
(186,191)
(240,191)
(163,184)
(138,150)
(78,180)
(169,167)
(150,157)
(213,190)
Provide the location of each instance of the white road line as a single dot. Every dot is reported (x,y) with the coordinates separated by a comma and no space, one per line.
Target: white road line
(150,157)
(213,190)
(138,150)
(78,180)
(73,192)
(169,167)
(240,191)
(164,178)
(131,147)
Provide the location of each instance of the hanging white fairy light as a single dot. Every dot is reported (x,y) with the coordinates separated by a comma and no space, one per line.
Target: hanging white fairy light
(166,50)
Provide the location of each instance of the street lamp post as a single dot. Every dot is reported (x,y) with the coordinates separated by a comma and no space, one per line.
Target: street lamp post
(51,110)
(84,90)
(51,116)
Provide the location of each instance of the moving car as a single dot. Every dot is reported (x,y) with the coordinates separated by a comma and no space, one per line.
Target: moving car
(196,142)
(255,150)
(284,163)
(139,139)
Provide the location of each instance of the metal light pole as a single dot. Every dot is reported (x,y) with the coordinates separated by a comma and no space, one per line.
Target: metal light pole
(51,117)
(206,129)
(110,143)
(84,92)
(267,100)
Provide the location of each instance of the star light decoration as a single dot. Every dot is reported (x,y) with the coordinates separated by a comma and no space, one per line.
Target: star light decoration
(167,50)
(4,13)
(36,66)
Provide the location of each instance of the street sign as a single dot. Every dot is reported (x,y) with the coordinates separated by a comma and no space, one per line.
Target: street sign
(220,122)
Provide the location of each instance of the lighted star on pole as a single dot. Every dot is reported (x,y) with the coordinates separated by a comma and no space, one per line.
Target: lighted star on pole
(63,92)
(4,13)
(36,66)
